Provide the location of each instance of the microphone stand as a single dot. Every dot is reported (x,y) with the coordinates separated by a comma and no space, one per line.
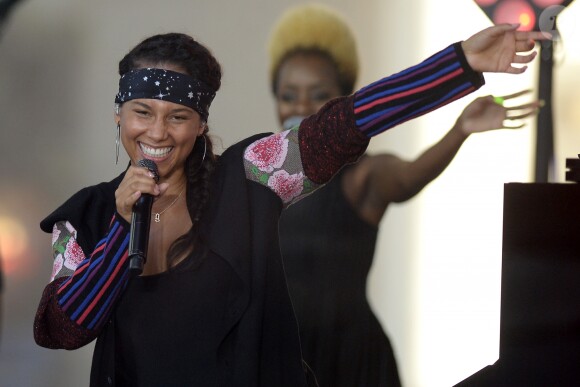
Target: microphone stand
(545,123)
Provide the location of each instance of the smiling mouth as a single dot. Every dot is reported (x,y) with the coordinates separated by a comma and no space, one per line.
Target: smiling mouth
(155,152)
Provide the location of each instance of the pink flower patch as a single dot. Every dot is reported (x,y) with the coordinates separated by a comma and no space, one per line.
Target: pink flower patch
(268,153)
(73,254)
(286,186)
(56,266)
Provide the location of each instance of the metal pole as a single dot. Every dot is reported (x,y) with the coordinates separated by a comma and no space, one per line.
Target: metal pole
(545,121)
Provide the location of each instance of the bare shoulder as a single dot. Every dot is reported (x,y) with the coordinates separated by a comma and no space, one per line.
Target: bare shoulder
(359,184)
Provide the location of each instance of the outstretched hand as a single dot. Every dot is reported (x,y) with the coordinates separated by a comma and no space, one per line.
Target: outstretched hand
(497,48)
(484,114)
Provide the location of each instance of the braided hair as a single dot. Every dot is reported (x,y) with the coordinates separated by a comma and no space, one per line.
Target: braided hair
(183,51)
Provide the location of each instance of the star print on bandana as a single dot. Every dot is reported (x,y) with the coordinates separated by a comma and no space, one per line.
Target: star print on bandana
(166,85)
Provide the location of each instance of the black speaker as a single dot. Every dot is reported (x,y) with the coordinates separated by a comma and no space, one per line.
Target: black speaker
(540,289)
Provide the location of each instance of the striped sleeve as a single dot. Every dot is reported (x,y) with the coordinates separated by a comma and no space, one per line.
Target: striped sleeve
(437,81)
(75,308)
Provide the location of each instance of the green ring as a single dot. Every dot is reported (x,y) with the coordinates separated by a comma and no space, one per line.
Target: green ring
(498,100)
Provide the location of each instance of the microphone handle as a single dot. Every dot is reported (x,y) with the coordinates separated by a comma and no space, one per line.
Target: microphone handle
(139,237)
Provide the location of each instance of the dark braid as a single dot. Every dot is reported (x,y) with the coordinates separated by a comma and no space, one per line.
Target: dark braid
(198,170)
(197,61)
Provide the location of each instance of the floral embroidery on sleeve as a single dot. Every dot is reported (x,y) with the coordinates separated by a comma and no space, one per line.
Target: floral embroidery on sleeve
(67,252)
(268,153)
(275,162)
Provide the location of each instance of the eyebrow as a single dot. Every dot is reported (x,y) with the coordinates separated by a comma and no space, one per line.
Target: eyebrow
(177,110)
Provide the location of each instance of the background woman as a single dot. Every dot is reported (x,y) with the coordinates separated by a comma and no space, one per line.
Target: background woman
(328,240)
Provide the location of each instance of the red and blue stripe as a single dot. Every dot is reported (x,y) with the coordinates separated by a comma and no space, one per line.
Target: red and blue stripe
(437,81)
(88,296)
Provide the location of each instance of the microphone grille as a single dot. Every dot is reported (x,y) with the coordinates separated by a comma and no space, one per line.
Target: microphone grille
(151,166)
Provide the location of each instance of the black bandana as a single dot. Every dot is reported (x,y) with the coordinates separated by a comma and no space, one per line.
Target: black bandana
(166,85)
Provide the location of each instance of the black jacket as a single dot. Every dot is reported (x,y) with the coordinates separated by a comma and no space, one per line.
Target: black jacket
(260,345)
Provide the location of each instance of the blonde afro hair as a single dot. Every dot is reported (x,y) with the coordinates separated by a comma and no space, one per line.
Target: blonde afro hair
(318,28)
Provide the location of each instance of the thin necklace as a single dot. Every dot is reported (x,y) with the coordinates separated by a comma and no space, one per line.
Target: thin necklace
(158,214)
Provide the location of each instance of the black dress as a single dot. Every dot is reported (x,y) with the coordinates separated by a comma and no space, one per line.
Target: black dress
(170,314)
(327,252)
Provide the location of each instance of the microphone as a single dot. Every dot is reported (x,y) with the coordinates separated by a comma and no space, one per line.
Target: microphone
(291,122)
(140,222)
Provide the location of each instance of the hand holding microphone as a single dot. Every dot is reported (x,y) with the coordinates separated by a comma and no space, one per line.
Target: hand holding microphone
(134,199)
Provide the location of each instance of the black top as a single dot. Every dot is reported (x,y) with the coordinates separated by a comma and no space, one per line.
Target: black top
(155,349)
(328,251)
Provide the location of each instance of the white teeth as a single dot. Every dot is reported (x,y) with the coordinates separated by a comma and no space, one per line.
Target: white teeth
(155,152)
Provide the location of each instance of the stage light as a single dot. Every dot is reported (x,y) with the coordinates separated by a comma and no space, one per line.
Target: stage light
(13,244)
(515,11)
(525,12)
